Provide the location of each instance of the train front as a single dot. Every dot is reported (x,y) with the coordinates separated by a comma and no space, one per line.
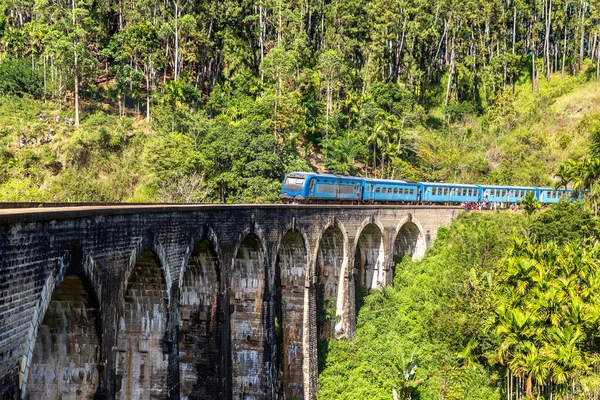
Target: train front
(295,187)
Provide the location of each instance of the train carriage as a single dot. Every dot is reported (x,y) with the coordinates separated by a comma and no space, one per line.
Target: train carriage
(377,190)
(505,194)
(308,186)
(549,195)
(449,193)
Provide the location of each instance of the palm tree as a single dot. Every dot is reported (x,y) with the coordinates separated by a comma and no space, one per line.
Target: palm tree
(376,139)
(174,95)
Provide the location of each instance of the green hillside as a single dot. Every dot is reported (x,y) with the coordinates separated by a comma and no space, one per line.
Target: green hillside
(228,156)
(217,100)
(487,304)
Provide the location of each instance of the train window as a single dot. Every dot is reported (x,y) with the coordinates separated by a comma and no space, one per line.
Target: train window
(377,189)
(368,188)
(346,189)
(412,191)
(395,190)
(445,191)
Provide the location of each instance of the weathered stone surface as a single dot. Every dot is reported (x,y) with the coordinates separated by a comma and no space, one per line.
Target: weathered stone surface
(185,300)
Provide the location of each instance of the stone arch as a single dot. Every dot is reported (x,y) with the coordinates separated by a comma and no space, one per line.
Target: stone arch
(149,244)
(66,355)
(290,275)
(409,239)
(248,283)
(198,305)
(331,266)
(142,351)
(370,254)
(71,262)
(369,262)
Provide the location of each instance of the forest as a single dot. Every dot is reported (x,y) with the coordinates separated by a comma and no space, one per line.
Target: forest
(214,101)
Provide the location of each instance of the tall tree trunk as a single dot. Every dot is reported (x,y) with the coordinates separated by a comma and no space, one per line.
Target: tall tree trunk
(548,27)
(514,32)
(261,37)
(76,71)
(564,55)
(450,74)
(598,61)
(148,93)
(532,66)
(176,63)
(582,39)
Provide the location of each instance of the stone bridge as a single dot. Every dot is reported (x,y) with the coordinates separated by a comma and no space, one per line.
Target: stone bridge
(191,302)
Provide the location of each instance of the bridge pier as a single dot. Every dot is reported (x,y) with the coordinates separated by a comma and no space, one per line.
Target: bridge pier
(191,302)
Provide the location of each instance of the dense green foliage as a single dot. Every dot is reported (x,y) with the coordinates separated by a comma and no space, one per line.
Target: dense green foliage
(493,298)
(434,313)
(547,308)
(423,90)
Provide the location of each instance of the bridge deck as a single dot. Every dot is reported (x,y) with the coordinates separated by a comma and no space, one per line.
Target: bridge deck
(31,212)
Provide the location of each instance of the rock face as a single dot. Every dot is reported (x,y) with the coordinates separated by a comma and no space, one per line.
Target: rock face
(190,302)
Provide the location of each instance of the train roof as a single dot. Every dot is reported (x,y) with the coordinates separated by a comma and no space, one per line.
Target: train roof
(448,184)
(508,187)
(377,180)
(554,190)
(316,174)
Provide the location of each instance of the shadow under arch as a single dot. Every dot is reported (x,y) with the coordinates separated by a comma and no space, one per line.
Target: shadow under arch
(330,269)
(369,261)
(290,276)
(409,239)
(248,337)
(142,348)
(62,354)
(199,302)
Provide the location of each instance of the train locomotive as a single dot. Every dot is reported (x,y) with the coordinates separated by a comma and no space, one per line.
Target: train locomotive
(310,187)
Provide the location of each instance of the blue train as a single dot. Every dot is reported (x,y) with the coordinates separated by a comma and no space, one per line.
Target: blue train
(310,187)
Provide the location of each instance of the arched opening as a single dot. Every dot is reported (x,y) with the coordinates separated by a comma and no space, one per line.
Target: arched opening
(330,259)
(368,263)
(198,350)
(289,286)
(247,325)
(65,357)
(409,241)
(142,353)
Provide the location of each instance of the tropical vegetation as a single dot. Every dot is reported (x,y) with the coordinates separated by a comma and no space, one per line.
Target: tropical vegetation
(214,101)
(503,306)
